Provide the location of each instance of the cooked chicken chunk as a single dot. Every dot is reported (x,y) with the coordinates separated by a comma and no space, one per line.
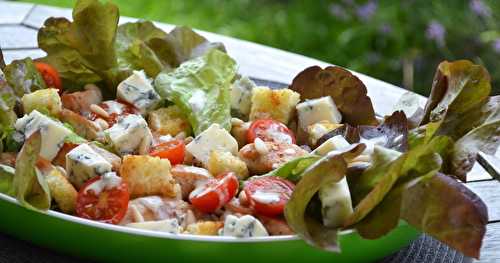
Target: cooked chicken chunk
(262,157)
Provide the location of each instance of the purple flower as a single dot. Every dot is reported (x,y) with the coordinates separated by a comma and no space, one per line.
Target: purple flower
(338,12)
(480,8)
(496,45)
(385,29)
(436,32)
(365,12)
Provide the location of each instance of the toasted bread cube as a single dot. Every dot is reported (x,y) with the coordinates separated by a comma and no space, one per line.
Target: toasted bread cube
(61,190)
(146,175)
(205,228)
(273,104)
(169,120)
(221,162)
(42,100)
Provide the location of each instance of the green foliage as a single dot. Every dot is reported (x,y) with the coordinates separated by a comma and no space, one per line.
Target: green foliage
(384,39)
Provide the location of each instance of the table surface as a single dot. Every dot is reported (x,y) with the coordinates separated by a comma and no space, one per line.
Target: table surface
(19,23)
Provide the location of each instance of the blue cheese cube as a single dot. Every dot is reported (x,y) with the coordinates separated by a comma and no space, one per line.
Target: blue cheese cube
(214,138)
(138,91)
(83,163)
(53,133)
(168,226)
(245,226)
(316,110)
(241,96)
(332,144)
(130,135)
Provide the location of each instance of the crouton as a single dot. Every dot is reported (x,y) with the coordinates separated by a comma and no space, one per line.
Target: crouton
(273,104)
(206,228)
(220,162)
(147,175)
(169,120)
(42,100)
(61,190)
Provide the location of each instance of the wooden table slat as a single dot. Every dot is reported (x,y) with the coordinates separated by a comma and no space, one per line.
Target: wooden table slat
(491,245)
(14,13)
(17,36)
(489,192)
(10,55)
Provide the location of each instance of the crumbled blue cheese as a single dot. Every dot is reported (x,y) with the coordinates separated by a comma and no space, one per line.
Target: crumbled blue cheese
(168,225)
(83,163)
(214,138)
(336,204)
(245,226)
(130,135)
(334,143)
(241,96)
(138,91)
(316,110)
(107,181)
(335,197)
(52,132)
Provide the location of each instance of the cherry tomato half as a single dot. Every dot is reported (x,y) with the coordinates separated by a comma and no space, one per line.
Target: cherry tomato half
(50,75)
(173,150)
(114,109)
(108,206)
(215,193)
(270,131)
(268,195)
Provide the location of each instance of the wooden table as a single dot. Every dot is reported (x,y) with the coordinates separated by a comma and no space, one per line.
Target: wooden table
(19,23)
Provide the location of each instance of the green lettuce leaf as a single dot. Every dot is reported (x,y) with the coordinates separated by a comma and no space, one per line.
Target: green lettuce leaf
(293,169)
(23,77)
(382,176)
(459,107)
(200,87)
(29,185)
(330,168)
(346,90)
(6,177)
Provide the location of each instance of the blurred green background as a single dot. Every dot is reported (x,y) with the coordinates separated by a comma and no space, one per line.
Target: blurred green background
(401,42)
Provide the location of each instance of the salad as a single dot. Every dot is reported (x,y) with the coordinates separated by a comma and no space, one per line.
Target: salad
(130,125)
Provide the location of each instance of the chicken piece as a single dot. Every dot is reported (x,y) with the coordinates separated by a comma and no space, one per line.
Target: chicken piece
(146,175)
(8,158)
(82,126)
(188,177)
(239,131)
(276,226)
(80,101)
(262,157)
(156,208)
(205,228)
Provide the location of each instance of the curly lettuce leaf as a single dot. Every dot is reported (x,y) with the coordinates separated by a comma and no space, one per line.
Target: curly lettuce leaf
(460,107)
(200,87)
(330,168)
(32,191)
(382,176)
(293,169)
(392,133)
(23,77)
(346,90)
(6,177)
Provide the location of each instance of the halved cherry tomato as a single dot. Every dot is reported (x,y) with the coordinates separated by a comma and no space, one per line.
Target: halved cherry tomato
(173,150)
(108,206)
(270,131)
(215,193)
(50,75)
(114,110)
(268,195)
